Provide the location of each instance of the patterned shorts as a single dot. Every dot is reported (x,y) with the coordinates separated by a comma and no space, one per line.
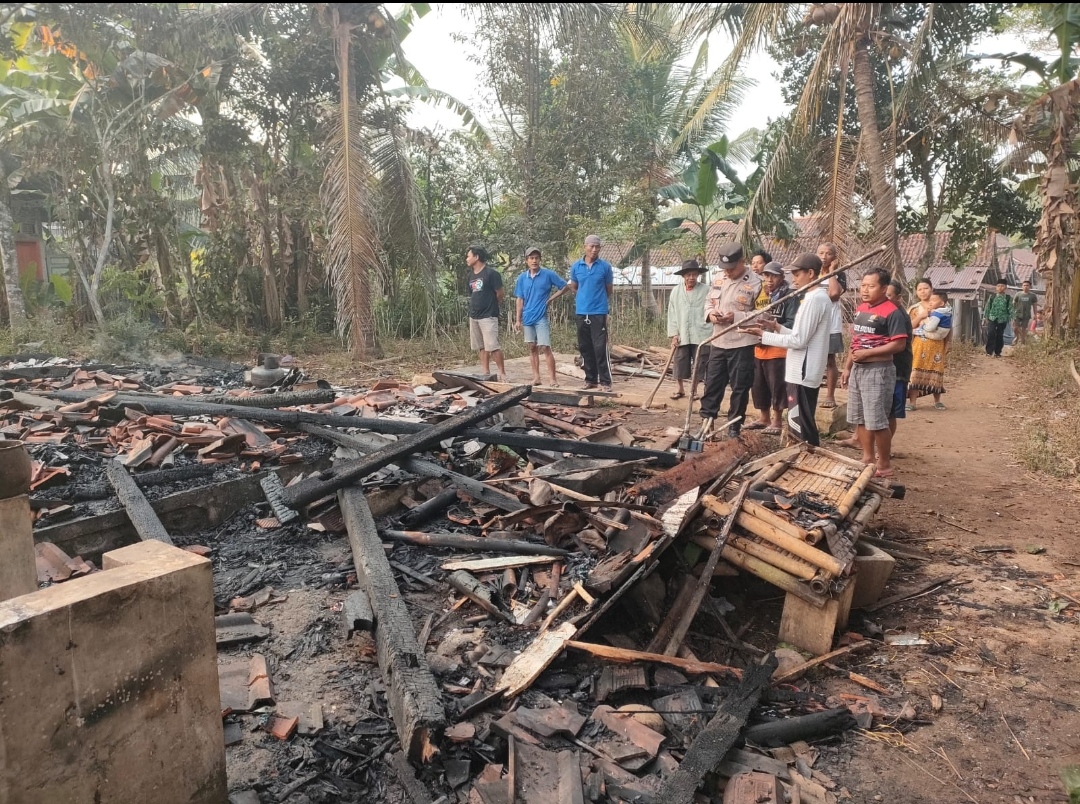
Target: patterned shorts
(870,394)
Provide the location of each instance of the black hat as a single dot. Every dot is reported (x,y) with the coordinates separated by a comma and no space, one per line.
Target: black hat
(773,268)
(730,253)
(533,250)
(690,267)
(806,262)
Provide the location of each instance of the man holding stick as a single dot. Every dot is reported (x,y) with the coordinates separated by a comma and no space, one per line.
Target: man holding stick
(807,342)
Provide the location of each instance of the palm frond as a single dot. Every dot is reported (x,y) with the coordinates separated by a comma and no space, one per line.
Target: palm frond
(352,257)
(762,197)
(436,97)
(836,210)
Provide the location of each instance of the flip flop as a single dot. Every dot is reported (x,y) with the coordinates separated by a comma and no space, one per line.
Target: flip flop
(884,474)
(939,406)
(755,426)
(770,430)
(909,408)
(678,395)
(827,405)
(554,385)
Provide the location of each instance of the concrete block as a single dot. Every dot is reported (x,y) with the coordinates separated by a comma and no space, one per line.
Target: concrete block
(831,420)
(18,570)
(873,568)
(108,686)
(810,628)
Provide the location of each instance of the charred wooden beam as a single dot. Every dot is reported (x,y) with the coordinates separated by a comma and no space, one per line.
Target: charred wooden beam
(719,736)
(475,543)
(701,470)
(138,508)
(369,442)
(430,508)
(348,472)
(413,696)
(803,727)
(281,399)
(159,477)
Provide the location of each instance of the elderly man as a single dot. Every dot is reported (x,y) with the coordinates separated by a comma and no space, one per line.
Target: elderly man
(593,281)
(686,325)
(836,288)
(731,360)
(533,294)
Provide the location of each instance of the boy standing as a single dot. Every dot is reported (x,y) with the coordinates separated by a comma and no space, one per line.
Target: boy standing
(532,292)
(877,334)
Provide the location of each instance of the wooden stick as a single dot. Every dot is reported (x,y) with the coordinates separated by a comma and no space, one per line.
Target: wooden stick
(926,587)
(1027,756)
(584,595)
(663,374)
(564,604)
(828,657)
(847,504)
(687,616)
(629,656)
(576,495)
(793,565)
(475,543)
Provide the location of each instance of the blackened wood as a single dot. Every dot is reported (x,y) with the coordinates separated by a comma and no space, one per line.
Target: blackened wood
(142,516)
(414,698)
(429,509)
(804,727)
(369,442)
(476,543)
(158,477)
(348,472)
(717,738)
(282,399)
(358,613)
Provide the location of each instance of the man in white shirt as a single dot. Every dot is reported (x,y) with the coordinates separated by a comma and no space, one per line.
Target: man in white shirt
(807,343)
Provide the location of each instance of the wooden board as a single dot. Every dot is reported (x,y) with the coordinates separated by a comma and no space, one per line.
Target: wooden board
(531,662)
(497,563)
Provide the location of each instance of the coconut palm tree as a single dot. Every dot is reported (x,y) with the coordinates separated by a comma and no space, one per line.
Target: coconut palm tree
(854,36)
(677,111)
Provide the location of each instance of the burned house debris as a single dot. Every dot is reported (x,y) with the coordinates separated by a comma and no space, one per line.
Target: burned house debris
(526,596)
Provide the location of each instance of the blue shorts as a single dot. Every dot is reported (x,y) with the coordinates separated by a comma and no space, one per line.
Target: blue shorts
(899,400)
(538,333)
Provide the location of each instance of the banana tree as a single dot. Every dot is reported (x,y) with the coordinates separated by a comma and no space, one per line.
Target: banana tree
(1049,126)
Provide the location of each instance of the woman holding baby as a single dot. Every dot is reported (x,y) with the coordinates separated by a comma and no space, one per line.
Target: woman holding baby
(931,320)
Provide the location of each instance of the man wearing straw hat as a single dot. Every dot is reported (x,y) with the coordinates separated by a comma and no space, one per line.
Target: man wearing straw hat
(686,325)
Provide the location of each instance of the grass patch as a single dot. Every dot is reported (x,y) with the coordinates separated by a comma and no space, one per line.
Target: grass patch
(1051,437)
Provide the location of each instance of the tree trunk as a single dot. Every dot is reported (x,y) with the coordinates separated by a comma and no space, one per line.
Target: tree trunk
(884,193)
(648,299)
(173,313)
(933,215)
(10,256)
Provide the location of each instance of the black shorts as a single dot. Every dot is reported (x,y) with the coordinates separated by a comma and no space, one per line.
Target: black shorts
(770,390)
(899,400)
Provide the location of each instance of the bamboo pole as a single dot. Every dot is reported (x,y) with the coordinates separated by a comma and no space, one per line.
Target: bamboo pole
(777,577)
(781,539)
(794,565)
(759,512)
(660,381)
(847,502)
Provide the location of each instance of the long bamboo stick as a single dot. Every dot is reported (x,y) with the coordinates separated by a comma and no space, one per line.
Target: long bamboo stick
(757,313)
(847,502)
(766,552)
(660,381)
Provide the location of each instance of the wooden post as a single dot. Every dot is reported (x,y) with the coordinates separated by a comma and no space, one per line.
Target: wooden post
(18,572)
(138,508)
(413,697)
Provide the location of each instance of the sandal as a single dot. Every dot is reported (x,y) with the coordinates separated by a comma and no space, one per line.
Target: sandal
(755,426)
(827,405)
(939,406)
(909,407)
(884,474)
(678,395)
(770,430)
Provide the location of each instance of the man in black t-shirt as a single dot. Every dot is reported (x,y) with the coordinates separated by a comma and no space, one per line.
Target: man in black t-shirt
(485,301)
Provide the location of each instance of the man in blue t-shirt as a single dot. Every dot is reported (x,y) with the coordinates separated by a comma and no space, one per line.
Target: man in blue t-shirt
(533,294)
(593,281)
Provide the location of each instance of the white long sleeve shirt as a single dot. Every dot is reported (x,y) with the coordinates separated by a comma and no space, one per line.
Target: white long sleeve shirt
(807,341)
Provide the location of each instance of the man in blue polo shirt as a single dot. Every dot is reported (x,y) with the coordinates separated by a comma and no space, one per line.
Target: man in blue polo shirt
(533,294)
(593,281)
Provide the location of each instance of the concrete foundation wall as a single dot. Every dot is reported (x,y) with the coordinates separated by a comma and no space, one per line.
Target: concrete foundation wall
(109,689)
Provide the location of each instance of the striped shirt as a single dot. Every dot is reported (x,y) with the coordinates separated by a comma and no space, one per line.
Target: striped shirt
(807,341)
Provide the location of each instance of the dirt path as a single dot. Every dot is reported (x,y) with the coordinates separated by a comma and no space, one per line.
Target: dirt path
(1001,659)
